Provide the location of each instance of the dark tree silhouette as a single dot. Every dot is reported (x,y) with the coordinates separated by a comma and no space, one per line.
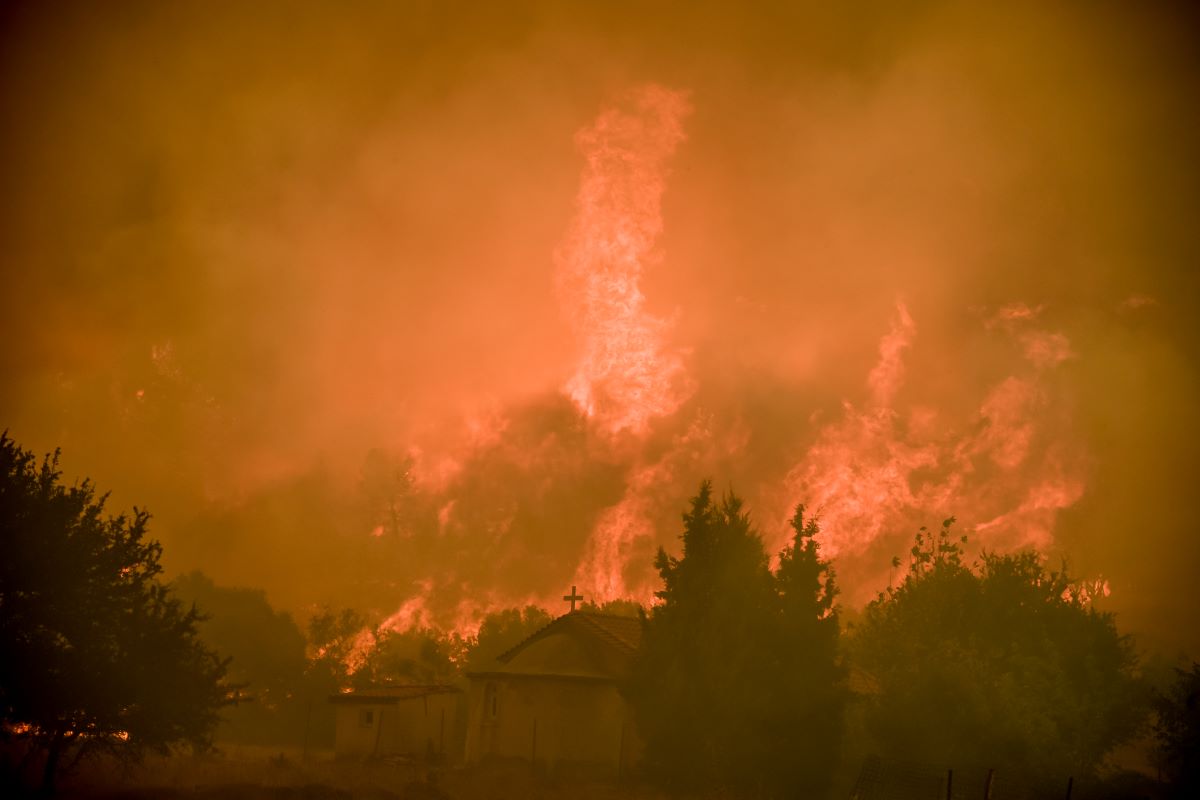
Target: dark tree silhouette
(1001,664)
(812,680)
(98,655)
(347,652)
(736,683)
(501,630)
(1177,731)
(417,655)
(266,649)
(389,494)
(615,608)
(333,637)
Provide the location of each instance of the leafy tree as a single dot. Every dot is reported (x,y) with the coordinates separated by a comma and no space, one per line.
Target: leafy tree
(1177,732)
(417,655)
(736,683)
(502,630)
(98,655)
(267,655)
(812,681)
(615,608)
(1000,664)
(336,644)
(389,494)
(347,652)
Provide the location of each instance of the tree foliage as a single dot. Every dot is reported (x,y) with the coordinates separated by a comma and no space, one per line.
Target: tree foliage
(97,653)
(615,608)
(1177,732)
(389,495)
(737,683)
(501,630)
(335,646)
(415,656)
(266,649)
(812,676)
(346,651)
(998,664)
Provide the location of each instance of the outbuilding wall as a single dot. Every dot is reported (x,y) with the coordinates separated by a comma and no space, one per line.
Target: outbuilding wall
(415,727)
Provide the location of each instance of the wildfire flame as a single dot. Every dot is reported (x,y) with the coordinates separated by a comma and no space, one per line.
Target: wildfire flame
(883,467)
(877,472)
(627,375)
(622,542)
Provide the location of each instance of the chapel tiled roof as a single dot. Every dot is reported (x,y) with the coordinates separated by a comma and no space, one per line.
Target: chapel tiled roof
(623,634)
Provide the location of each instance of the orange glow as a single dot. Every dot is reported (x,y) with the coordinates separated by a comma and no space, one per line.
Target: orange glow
(1005,471)
(614,565)
(627,375)
(559,266)
(874,475)
(413,614)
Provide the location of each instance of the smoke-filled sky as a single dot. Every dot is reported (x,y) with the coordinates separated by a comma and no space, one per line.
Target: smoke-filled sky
(425,308)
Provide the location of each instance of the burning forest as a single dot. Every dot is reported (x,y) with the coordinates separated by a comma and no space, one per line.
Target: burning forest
(405,322)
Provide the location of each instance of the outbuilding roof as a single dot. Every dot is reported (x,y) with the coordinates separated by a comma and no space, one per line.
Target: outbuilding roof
(378,695)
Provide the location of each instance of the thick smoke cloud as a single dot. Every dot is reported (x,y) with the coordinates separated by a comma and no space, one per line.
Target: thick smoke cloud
(292,276)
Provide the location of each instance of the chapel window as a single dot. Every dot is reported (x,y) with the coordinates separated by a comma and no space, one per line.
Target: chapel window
(491,701)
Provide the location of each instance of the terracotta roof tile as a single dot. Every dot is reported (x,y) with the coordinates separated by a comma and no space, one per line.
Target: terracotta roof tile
(623,634)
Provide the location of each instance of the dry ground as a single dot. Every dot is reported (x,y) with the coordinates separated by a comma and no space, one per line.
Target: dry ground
(246,773)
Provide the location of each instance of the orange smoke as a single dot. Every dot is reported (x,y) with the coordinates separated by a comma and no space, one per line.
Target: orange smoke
(627,375)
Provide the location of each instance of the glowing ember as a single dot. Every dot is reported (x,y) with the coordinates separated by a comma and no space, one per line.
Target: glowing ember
(1046,349)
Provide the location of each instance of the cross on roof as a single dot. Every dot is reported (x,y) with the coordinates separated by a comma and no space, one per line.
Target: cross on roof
(572,597)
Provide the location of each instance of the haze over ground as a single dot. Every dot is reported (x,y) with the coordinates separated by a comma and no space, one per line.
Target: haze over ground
(905,264)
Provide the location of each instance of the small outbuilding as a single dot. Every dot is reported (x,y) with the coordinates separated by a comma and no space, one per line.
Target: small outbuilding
(412,721)
(554,698)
